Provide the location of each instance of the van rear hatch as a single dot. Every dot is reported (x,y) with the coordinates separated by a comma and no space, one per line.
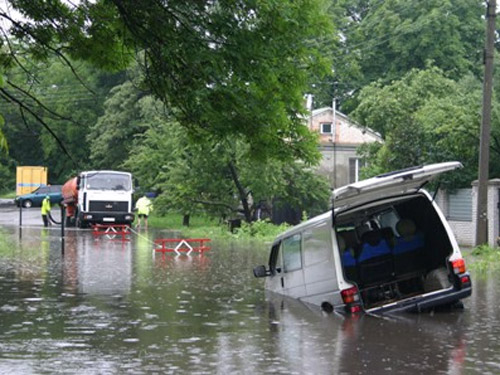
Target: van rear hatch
(395,183)
(396,250)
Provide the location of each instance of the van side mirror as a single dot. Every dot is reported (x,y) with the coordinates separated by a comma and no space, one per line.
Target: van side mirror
(261,271)
(78,180)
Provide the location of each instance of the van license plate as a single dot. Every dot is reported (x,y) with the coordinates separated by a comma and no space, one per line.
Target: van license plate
(108,219)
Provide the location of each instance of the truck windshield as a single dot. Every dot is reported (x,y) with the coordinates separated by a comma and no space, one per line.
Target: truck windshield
(108,181)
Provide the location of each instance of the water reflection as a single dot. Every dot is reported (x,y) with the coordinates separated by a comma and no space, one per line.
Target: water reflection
(405,344)
(109,307)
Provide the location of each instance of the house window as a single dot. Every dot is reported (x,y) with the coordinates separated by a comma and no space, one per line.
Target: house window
(326,128)
(355,166)
(292,259)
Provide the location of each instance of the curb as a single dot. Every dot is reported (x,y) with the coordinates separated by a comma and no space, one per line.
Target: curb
(7,202)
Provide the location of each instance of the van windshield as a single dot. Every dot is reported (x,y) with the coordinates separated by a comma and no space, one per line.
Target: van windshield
(108,181)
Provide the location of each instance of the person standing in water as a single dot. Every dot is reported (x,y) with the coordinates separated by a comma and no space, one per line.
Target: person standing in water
(46,211)
(144,206)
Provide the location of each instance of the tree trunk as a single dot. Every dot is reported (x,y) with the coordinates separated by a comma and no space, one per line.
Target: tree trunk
(241,192)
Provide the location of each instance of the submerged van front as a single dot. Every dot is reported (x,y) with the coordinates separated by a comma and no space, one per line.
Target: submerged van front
(385,246)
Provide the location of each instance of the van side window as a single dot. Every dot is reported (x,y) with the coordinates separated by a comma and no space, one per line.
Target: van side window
(292,253)
(275,259)
(318,244)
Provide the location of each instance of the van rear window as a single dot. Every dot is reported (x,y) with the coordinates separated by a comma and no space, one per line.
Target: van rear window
(292,253)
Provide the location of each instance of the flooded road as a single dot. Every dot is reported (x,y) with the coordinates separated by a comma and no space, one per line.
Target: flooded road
(112,307)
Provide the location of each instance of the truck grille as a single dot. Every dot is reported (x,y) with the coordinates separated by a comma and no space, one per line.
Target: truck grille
(108,206)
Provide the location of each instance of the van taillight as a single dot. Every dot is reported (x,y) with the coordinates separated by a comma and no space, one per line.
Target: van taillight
(351,300)
(458,266)
(465,280)
(355,309)
(350,295)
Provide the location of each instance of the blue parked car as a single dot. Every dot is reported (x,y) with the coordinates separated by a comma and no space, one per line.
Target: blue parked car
(35,198)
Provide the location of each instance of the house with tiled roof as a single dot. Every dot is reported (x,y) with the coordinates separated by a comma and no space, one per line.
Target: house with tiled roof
(340,137)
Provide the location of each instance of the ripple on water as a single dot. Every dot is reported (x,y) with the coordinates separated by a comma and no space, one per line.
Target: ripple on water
(131,340)
(9,308)
(189,340)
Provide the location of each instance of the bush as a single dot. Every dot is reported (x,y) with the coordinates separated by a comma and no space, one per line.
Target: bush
(261,229)
(484,258)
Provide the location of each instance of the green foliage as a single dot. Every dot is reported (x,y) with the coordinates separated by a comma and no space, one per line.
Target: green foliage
(202,226)
(110,138)
(425,118)
(236,69)
(484,258)
(383,40)
(3,140)
(7,173)
(90,31)
(66,103)
(216,176)
(260,229)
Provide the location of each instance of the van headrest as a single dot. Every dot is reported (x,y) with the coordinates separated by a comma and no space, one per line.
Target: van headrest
(406,227)
(341,242)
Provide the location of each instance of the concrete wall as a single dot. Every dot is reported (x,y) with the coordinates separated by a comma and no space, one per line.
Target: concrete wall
(465,231)
(335,163)
(493,210)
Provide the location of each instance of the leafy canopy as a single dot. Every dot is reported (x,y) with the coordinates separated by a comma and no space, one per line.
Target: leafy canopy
(425,118)
(384,40)
(231,68)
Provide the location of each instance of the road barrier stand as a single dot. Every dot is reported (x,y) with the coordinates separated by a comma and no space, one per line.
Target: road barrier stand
(112,231)
(181,245)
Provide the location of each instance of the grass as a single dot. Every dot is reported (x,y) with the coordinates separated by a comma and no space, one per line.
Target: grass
(8,195)
(206,227)
(484,258)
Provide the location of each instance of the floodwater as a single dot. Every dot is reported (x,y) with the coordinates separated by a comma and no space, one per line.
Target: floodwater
(112,307)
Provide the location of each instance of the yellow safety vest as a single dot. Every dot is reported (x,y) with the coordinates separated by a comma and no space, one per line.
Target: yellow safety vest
(45,206)
(144,206)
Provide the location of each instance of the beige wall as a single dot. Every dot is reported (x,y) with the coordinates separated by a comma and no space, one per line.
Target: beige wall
(335,162)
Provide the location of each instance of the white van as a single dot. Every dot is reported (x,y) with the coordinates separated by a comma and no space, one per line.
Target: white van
(385,246)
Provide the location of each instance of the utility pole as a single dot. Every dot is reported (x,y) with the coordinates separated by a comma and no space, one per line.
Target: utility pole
(484,146)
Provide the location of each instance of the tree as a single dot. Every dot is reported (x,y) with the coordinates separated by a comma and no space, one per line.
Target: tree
(383,40)
(111,136)
(216,176)
(52,102)
(230,68)
(425,118)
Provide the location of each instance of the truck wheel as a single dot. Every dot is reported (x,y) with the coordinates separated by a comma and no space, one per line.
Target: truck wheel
(79,223)
(27,203)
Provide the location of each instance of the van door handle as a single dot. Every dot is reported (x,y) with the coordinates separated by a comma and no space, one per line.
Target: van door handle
(282,283)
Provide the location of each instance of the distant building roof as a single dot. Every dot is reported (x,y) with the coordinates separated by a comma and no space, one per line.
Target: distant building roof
(346,119)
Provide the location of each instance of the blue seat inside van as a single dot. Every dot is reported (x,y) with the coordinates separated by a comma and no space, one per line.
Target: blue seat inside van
(375,259)
(408,248)
(349,261)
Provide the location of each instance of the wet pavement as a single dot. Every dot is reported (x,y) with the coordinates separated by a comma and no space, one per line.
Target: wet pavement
(113,307)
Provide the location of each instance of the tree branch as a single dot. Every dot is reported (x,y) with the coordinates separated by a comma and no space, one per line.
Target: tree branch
(50,48)
(23,106)
(220,204)
(57,115)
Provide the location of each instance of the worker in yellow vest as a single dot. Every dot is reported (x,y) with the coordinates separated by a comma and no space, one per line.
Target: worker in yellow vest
(144,206)
(46,211)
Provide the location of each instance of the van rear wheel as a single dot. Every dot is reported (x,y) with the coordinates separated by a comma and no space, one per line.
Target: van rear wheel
(327,307)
